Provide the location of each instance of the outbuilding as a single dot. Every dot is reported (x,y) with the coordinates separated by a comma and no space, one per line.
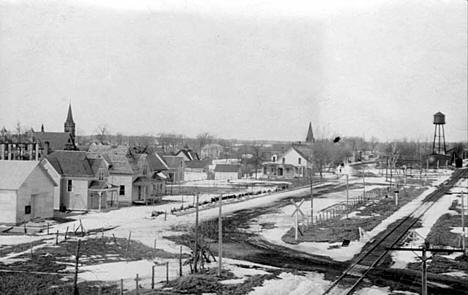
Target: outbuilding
(26,192)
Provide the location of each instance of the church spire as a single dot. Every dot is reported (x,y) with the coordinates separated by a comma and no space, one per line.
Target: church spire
(70,115)
(310,134)
(69,125)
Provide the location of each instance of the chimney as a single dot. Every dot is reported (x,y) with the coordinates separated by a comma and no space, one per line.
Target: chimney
(46,149)
(37,151)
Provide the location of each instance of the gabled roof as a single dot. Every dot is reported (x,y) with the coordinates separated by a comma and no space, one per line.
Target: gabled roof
(56,140)
(14,173)
(116,156)
(227,168)
(191,155)
(71,163)
(156,162)
(306,151)
(173,161)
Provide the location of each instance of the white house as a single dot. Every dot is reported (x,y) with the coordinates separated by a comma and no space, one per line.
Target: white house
(295,162)
(26,192)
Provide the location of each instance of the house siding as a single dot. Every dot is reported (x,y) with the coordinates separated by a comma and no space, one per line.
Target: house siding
(8,206)
(127,181)
(77,199)
(38,192)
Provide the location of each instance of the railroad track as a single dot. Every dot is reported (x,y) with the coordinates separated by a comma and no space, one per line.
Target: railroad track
(373,256)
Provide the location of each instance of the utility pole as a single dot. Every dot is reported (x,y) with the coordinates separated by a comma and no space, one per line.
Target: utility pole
(364,181)
(195,258)
(220,236)
(463,222)
(311,198)
(347,195)
(424,249)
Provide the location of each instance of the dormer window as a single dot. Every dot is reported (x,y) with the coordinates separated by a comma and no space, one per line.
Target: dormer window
(299,161)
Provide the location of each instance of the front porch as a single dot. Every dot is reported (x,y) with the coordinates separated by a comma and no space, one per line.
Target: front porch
(103,195)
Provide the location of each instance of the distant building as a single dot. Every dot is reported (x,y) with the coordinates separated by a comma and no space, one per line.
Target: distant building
(296,161)
(227,171)
(196,170)
(188,154)
(37,145)
(211,151)
(176,169)
(26,192)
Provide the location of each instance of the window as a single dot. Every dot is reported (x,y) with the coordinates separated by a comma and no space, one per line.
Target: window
(122,190)
(299,161)
(145,170)
(101,173)
(27,209)
(283,160)
(69,185)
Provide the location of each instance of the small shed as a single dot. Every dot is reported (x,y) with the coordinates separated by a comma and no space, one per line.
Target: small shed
(26,192)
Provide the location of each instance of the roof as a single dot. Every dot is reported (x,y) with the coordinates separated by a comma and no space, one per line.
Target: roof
(173,161)
(156,162)
(14,173)
(71,163)
(198,164)
(56,140)
(310,134)
(101,185)
(191,155)
(69,115)
(116,156)
(306,151)
(227,168)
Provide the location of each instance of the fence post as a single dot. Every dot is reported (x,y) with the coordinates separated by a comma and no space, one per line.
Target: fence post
(56,238)
(137,285)
(152,277)
(121,286)
(167,271)
(180,262)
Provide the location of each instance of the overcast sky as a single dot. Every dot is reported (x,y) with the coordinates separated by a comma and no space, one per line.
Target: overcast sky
(246,69)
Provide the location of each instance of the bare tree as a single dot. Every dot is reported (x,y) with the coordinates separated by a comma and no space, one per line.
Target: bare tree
(203,139)
(102,132)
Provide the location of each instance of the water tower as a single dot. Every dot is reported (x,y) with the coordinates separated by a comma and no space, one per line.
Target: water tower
(438,146)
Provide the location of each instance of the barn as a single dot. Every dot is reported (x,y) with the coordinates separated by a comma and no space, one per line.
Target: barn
(26,192)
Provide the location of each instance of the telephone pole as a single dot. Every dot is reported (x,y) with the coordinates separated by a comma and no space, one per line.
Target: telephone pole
(195,258)
(424,249)
(220,236)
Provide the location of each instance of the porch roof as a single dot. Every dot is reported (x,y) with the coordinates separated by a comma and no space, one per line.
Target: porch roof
(97,185)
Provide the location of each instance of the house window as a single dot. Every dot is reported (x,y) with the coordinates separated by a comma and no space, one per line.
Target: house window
(101,173)
(122,190)
(284,160)
(69,185)
(27,209)
(299,161)
(145,170)
(274,159)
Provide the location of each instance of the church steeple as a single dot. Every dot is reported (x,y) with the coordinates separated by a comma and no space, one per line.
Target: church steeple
(310,134)
(69,125)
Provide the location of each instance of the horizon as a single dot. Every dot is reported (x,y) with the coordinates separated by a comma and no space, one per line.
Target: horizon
(243,70)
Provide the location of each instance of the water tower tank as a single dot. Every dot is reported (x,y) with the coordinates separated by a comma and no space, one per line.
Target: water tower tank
(439,118)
